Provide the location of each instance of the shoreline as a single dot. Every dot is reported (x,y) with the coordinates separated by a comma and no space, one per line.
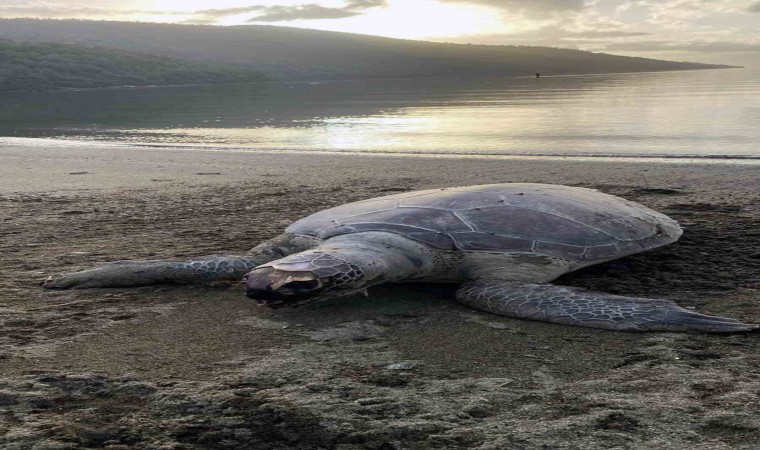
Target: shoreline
(626,157)
(643,158)
(70,167)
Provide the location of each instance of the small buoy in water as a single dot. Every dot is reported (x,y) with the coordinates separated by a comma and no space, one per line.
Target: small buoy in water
(538,75)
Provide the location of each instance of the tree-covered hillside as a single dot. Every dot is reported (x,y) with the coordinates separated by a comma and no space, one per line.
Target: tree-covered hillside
(301,54)
(43,66)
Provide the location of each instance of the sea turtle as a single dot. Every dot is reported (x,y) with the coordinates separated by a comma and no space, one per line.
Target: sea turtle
(504,242)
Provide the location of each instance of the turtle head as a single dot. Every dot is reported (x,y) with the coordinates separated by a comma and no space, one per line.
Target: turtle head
(299,278)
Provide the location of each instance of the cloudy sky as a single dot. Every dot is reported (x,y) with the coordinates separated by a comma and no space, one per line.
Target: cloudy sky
(719,31)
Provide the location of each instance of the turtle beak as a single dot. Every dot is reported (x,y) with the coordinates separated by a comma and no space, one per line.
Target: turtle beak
(277,288)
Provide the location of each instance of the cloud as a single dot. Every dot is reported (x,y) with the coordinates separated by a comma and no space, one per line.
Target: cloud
(210,16)
(531,8)
(682,14)
(313,11)
(57,10)
(366,4)
(553,36)
(603,34)
(302,12)
(281,13)
(685,46)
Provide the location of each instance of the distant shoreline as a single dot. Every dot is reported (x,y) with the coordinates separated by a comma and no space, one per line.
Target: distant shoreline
(287,53)
(336,80)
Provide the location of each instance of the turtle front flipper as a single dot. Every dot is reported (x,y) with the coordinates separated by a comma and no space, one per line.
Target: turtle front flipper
(197,270)
(146,273)
(579,307)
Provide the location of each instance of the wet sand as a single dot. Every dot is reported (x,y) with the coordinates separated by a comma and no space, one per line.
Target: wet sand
(201,367)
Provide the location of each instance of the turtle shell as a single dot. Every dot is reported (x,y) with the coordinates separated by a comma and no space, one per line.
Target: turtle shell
(572,223)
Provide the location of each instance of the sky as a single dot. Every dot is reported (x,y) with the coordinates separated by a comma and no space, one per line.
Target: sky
(712,31)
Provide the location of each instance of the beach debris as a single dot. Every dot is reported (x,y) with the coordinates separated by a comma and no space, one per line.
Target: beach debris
(492,384)
(395,189)
(350,331)
(318,387)
(261,323)
(373,401)
(402,366)
(488,323)
(658,191)
(617,421)
(723,208)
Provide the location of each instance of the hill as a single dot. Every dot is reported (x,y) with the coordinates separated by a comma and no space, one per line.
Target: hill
(301,54)
(43,66)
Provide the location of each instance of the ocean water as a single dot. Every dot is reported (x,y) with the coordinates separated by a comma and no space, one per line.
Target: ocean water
(691,114)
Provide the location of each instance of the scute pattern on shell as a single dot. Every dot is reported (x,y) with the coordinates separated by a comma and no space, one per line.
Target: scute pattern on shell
(573,223)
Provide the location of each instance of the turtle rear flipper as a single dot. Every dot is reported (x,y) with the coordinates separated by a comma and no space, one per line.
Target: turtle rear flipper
(579,307)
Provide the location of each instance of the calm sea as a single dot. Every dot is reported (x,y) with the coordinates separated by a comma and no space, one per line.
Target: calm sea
(710,113)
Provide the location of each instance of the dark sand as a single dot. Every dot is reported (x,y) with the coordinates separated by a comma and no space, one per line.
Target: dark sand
(203,368)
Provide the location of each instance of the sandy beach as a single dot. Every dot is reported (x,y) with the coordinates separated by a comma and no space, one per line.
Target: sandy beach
(202,367)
